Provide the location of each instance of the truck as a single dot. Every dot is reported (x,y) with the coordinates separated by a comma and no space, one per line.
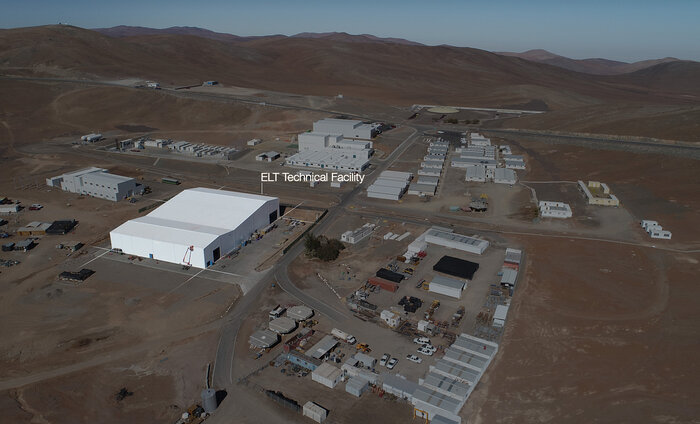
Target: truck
(342,335)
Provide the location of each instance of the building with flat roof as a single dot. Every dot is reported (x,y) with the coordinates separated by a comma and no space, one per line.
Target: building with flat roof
(476,173)
(196,227)
(97,182)
(504,176)
(315,412)
(447,286)
(323,347)
(554,209)
(598,193)
(327,374)
(349,128)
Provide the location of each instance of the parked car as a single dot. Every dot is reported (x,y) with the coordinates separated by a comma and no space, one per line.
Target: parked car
(430,347)
(35,207)
(421,340)
(414,358)
(384,360)
(425,351)
(392,363)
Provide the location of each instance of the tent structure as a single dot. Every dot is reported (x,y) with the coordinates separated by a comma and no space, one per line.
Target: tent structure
(196,227)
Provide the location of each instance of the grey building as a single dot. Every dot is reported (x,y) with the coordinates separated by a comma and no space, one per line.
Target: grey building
(97,182)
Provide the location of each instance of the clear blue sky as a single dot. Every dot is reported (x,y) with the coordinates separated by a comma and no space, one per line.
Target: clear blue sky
(627,30)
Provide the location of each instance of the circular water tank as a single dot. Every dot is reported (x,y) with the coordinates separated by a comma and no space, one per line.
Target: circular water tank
(283,325)
(209,400)
(300,312)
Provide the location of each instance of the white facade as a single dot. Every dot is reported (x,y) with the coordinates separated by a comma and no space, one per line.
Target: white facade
(315,412)
(9,208)
(198,226)
(554,209)
(391,318)
(499,316)
(349,128)
(97,182)
(447,286)
(357,235)
(327,374)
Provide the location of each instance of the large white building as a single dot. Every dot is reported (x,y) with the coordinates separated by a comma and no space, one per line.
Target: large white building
(348,128)
(327,147)
(97,182)
(196,227)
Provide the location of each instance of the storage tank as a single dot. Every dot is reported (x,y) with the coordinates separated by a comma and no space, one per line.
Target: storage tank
(283,325)
(209,402)
(300,313)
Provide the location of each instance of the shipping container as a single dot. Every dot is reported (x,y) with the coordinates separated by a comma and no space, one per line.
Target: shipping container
(384,284)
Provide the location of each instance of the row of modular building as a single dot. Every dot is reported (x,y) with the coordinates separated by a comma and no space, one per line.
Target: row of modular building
(655,230)
(390,185)
(431,169)
(441,394)
(355,236)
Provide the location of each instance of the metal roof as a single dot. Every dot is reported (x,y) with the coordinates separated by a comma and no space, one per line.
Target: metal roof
(437,399)
(195,217)
(465,358)
(321,348)
(483,347)
(439,280)
(282,325)
(457,371)
(453,387)
(264,338)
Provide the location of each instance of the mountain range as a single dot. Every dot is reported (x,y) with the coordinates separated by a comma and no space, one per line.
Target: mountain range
(596,66)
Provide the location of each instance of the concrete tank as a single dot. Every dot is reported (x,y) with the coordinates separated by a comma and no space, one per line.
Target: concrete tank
(209,400)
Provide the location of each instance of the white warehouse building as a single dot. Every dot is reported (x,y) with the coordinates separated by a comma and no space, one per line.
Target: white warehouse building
(196,227)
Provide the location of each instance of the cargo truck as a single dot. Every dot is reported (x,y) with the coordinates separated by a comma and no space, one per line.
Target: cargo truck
(342,335)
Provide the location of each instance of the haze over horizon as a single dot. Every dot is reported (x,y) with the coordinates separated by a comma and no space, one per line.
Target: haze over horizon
(627,31)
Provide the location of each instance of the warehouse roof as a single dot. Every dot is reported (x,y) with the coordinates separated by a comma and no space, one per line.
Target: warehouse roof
(196,216)
(453,387)
(443,366)
(437,399)
(483,347)
(439,280)
(322,347)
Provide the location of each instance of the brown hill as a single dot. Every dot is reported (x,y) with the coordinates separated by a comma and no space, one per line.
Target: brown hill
(394,73)
(595,66)
(351,38)
(132,31)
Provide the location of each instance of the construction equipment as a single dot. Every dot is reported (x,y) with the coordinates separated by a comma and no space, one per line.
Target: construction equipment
(188,256)
(433,307)
(484,196)
(309,323)
(363,347)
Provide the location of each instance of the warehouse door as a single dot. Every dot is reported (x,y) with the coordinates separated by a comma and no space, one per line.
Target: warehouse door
(217,254)
(273,217)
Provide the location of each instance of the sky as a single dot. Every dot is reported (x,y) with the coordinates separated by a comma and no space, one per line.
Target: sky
(623,30)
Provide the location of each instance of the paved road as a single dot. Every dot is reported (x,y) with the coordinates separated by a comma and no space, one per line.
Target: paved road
(187,93)
(222,374)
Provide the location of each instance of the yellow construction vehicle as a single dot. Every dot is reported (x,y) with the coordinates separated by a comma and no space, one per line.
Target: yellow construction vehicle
(484,196)
(363,347)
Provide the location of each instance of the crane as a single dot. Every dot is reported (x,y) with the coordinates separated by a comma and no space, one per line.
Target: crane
(188,256)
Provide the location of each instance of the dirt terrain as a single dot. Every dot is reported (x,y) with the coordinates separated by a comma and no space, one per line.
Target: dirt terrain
(603,326)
